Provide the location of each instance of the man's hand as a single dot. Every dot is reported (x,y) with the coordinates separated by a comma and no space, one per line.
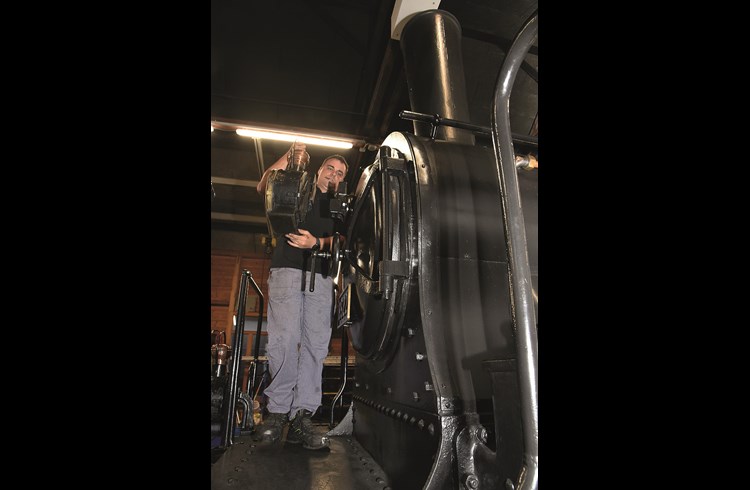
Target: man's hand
(301,240)
(279,164)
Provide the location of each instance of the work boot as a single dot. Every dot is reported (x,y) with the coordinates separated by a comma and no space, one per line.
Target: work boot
(272,427)
(301,430)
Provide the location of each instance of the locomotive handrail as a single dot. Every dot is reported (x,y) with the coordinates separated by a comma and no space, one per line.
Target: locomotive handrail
(436,120)
(256,350)
(231,398)
(522,306)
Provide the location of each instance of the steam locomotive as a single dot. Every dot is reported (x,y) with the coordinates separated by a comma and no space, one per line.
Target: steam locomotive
(437,284)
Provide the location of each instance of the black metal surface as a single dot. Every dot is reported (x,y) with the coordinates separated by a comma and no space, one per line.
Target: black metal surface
(383,255)
(251,466)
(456,315)
(289,196)
(433,62)
(522,304)
(396,433)
(507,415)
(315,255)
(218,416)
(340,202)
(477,468)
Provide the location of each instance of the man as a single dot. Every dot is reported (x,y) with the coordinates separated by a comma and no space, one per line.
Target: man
(299,321)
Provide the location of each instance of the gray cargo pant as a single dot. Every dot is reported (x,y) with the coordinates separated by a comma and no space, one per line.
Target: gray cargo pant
(299,331)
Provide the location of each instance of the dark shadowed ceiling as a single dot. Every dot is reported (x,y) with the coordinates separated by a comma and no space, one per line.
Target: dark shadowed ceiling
(331,66)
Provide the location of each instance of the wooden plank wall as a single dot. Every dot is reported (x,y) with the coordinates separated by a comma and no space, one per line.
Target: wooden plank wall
(226,267)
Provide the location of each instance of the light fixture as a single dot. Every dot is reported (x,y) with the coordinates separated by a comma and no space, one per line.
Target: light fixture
(301,137)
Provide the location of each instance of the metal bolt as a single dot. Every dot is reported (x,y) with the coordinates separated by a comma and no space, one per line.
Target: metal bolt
(482,434)
(472,482)
(415,395)
(509,484)
(427,386)
(419,356)
(410,332)
(389,390)
(431,429)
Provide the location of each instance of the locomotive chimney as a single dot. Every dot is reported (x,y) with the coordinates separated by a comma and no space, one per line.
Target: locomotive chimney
(431,49)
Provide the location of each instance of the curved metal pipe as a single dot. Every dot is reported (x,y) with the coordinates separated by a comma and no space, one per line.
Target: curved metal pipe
(344,362)
(246,410)
(522,306)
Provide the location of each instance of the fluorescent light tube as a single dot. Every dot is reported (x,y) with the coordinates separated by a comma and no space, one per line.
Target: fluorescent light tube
(308,140)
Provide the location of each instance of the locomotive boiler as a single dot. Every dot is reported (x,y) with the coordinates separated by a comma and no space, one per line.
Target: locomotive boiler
(438,284)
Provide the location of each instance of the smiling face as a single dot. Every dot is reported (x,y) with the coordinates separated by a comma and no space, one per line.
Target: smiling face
(332,171)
